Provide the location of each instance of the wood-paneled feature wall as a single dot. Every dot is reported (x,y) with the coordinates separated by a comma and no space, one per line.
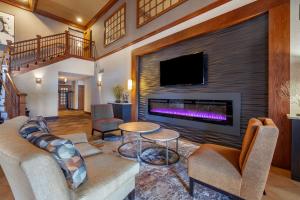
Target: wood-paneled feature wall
(279,35)
(237,63)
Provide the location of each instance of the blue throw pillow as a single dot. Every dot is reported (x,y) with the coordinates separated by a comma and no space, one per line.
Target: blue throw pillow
(41,121)
(62,150)
(33,125)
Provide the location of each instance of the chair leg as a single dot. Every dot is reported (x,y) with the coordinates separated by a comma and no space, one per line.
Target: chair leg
(93,132)
(102,135)
(265,193)
(131,195)
(122,136)
(191,186)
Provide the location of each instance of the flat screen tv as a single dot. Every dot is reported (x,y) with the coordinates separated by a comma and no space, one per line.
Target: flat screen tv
(184,70)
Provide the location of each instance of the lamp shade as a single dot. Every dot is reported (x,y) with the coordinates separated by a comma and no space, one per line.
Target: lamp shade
(129,84)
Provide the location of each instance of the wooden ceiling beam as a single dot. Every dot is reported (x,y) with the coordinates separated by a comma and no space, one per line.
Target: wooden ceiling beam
(32,5)
(16,4)
(59,19)
(101,12)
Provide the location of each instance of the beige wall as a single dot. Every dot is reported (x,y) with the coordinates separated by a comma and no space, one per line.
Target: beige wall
(28,24)
(42,99)
(132,32)
(295,51)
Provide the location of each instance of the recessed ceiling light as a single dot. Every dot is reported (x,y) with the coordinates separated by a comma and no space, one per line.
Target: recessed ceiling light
(78,19)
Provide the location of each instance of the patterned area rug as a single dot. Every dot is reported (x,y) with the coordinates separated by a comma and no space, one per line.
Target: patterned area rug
(167,182)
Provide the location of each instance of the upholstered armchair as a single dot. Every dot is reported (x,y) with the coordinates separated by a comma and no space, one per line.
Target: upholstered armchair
(238,173)
(103,119)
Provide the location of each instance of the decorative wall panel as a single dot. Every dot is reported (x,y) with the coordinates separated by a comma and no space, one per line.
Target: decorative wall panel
(237,63)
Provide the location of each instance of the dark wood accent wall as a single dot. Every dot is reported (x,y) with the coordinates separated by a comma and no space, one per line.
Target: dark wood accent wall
(278,56)
(237,62)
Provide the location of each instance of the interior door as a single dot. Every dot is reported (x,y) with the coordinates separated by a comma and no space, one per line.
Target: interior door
(63,96)
(80,97)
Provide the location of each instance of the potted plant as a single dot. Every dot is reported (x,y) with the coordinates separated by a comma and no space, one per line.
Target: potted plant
(118,93)
(290,91)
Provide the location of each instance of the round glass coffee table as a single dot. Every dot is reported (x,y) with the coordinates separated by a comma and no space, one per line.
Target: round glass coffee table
(160,155)
(138,128)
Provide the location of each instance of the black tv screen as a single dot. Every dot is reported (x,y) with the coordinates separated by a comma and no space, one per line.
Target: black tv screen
(183,70)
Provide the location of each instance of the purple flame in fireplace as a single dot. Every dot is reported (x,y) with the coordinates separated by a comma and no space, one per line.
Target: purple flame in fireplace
(190,113)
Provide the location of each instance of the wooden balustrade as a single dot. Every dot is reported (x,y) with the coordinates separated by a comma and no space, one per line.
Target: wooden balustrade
(43,49)
(15,101)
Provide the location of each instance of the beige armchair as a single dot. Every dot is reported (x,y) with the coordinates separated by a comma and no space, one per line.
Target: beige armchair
(32,173)
(238,173)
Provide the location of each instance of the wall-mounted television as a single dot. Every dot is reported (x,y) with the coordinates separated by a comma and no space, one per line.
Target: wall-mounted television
(184,70)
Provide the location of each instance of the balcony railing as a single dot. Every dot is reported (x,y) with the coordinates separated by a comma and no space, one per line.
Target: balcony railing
(44,49)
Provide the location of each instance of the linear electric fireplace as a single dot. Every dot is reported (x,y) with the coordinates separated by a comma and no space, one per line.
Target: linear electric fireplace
(218,112)
(209,111)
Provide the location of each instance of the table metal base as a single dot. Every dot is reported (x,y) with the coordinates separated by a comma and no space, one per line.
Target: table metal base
(166,154)
(135,150)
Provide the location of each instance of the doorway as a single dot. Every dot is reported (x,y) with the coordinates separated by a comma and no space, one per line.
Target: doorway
(65,94)
(80,97)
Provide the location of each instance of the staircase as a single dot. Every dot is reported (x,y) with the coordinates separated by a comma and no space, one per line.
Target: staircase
(3,113)
(24,56)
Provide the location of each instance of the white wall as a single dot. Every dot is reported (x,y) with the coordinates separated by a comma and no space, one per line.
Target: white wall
(87,94)
(117,67)
(295,50)
(28,24)
(42,98)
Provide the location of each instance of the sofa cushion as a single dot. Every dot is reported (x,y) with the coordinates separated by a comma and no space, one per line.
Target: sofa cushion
(219,162)
(253,124)
(76,138)
(107,124)
(107,173)
(87,149)
(66,155)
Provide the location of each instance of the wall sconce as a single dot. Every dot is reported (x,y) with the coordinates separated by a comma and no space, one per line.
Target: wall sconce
(65,80)
(99,78)
(129,84)
(38,80)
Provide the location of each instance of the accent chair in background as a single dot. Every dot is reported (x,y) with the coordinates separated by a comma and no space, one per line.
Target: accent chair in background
(240,173)
(103,119)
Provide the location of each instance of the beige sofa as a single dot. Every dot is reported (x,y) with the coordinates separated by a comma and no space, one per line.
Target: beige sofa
(240,173)
(33,174)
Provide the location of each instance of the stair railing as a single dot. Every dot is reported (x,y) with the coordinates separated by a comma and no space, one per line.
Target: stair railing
(15,101)
(43,49)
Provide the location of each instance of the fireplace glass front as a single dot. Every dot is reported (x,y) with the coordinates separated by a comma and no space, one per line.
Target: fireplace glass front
(208,111)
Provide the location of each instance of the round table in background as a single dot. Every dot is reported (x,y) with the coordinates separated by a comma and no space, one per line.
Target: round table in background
(139,128)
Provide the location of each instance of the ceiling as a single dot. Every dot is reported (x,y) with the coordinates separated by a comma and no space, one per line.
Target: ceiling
(79,13)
